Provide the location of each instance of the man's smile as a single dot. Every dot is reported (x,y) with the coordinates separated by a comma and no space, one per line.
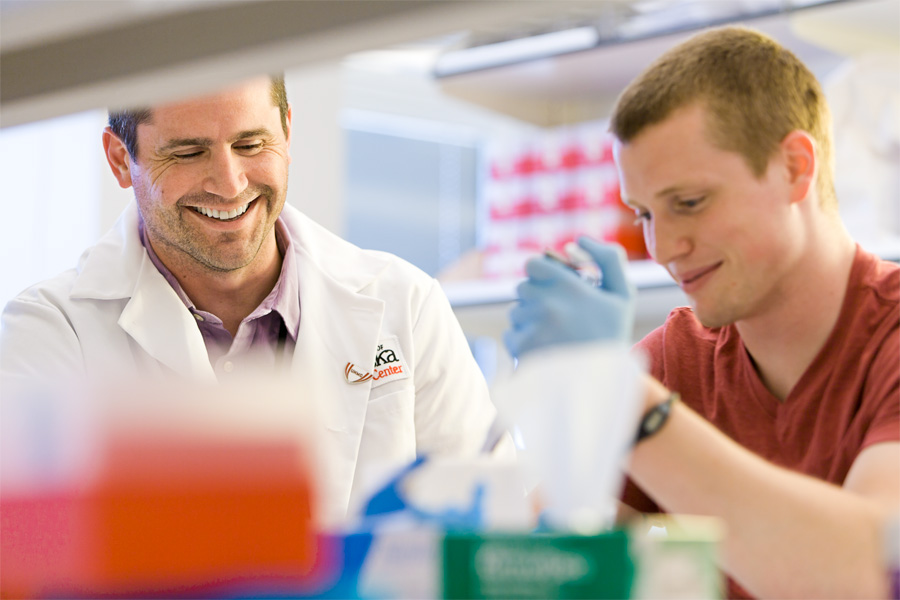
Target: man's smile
(692,280)
(221,214)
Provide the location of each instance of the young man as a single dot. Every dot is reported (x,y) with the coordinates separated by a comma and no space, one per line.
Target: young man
(209,276)
(788,361)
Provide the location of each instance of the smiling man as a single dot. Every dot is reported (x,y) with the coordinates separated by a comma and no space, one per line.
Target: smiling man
(786,362)
(210,277)
(209,192)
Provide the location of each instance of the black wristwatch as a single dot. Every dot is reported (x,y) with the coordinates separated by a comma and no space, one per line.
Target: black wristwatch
(656,417)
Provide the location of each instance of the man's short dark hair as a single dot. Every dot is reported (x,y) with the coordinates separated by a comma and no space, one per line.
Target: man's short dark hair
(124,123)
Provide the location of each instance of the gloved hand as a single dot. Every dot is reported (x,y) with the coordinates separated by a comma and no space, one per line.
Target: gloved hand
(557,307)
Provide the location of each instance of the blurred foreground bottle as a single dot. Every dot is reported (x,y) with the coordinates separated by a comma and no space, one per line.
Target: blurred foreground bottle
(202,496)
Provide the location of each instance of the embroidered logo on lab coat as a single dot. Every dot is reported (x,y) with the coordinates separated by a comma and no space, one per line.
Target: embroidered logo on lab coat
(389,363)
(354,375)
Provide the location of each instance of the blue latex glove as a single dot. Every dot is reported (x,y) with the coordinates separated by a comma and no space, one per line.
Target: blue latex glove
(557,307)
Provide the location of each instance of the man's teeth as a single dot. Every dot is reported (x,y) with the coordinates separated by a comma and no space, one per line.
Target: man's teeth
(222,215)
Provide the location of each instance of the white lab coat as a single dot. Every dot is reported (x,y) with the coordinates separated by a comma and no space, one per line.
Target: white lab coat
(115,314)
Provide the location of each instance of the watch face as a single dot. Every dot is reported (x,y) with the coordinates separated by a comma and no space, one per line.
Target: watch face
(656,417)
(654,420)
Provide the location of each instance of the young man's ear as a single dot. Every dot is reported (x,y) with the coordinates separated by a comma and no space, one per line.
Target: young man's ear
(118,158)
(799,151)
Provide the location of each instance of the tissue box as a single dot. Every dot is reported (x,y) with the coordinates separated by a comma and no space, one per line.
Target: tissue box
(677,558)
(537,565)
(407,559)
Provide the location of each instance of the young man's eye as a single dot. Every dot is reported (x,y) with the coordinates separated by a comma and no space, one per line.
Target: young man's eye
(689,203)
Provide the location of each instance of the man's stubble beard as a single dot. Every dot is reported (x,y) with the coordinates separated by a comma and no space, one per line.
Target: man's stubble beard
(191,249)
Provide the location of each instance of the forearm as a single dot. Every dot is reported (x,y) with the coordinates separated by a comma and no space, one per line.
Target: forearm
(788,535)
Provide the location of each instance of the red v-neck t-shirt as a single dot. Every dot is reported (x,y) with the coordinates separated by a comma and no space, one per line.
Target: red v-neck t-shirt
(847,400)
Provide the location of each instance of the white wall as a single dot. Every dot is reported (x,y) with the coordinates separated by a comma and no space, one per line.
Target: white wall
(315,180)
(53,197)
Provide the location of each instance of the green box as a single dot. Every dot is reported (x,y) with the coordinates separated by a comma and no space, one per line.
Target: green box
(543,565)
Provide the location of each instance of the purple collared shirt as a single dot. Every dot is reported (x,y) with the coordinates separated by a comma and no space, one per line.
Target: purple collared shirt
(266,337)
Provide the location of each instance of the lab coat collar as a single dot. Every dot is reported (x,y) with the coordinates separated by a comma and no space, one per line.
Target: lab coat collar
(160,323)
(155,317)
(334,258)
(110,269)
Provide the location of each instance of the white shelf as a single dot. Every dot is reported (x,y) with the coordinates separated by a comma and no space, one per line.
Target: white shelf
(645,274)
(56,54)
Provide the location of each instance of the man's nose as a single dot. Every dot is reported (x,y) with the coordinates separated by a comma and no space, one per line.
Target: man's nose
(226,176)
(666,240)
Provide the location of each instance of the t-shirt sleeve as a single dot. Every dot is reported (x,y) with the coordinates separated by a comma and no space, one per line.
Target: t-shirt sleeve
(651,348)
(883,390)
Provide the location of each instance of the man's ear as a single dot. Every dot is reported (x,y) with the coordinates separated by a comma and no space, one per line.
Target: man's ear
(799,151)
(118,158)
(287,132)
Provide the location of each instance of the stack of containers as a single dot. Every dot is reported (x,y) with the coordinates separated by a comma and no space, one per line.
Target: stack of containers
(549,189)
(153,490)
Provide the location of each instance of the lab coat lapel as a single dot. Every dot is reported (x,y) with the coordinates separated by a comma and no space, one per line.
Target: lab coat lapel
(159,322)
(337,326)
(155,317)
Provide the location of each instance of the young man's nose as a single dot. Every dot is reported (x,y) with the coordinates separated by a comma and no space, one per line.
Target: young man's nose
(666,241)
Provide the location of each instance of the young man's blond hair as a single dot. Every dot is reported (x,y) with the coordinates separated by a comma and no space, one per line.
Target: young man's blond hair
(756,92)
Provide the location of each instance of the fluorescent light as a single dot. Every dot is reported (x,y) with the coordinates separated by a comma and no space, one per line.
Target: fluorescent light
(518,50)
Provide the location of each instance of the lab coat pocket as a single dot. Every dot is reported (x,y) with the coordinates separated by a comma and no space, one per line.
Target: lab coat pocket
(389,432)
